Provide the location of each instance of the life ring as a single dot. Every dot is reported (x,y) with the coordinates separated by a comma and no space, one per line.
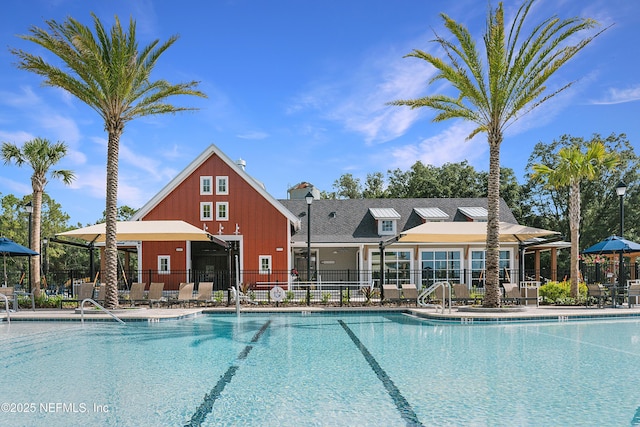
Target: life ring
(277,293)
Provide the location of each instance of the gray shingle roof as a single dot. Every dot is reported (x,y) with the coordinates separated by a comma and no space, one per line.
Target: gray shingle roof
(350,221)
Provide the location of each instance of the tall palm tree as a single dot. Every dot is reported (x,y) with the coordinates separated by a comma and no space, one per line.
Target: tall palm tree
(572,166)
(41,155)
(108,72)
(493,95)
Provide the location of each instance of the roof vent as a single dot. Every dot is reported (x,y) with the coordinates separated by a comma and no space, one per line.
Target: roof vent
(241,163)
(333,214)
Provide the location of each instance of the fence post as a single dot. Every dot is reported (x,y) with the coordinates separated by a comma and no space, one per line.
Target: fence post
(308,295)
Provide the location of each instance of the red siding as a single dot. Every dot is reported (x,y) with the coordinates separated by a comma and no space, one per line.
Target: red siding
(261,225)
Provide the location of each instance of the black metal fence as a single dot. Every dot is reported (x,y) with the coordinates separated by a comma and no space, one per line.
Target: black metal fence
(60,281)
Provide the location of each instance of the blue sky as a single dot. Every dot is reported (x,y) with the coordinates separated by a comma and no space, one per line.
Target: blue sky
(298,90)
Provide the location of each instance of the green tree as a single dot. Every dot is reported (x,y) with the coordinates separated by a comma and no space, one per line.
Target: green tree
(124,214)
(547,207)
(41,155)
(374,186)
(109,73)
(348,187)
(495,94)
(573,166)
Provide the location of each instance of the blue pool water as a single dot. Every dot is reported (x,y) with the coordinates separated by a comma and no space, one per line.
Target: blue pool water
(320,370)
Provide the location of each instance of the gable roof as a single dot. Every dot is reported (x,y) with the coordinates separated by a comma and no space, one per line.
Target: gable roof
(197,162)
(351,221)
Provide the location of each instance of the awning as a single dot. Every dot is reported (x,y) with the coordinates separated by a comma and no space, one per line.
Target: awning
(468,232)
(145,231)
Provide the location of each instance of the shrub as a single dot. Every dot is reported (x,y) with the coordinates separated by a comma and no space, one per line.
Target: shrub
(560,293)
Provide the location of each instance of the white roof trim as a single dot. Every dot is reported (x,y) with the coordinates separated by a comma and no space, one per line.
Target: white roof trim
(474,212)
(384,213)
(191,167)
(431,213)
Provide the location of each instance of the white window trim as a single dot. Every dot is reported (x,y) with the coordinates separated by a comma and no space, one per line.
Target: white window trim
(202,216)
(391,232)
(206,193)
(226,205)
(162,258)
(226,181)
(260,259)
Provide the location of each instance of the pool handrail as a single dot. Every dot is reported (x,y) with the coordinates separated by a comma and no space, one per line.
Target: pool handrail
(100,308)
(6,306)
(445,286)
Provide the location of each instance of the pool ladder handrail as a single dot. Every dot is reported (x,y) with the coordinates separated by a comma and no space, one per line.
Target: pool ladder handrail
(6,306)
(100,308)
(430,289)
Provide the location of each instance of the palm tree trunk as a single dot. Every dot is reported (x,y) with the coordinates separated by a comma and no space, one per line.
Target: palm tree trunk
(111,247)
(34,239)
(574,227)
(492,255)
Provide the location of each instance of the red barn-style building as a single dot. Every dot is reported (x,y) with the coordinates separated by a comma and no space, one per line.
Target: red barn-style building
(216,194)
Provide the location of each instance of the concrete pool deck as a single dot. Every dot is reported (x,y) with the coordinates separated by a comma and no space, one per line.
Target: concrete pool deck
(545,313)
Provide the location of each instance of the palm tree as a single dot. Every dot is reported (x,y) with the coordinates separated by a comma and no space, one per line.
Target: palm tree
(41,155)
(495,95)
(108,72)
(572,166)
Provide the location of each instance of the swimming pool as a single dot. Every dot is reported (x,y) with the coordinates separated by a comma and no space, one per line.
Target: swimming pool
(320,370)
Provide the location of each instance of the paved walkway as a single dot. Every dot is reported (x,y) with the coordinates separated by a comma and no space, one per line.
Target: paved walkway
(456,314)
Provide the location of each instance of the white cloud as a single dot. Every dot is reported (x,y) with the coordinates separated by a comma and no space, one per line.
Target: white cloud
(17,137)
(620,96)
(449,146)
(253,135)
(18,187)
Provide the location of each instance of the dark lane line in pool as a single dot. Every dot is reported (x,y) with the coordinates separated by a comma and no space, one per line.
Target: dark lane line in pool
(209,399)
(403,406)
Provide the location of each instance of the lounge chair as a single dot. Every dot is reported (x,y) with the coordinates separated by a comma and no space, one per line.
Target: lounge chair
(185,295)
(391,293)
(155,294)
(136,294)
(85,290)
(241,296)
(461,294)
(597,291)
(205,293)
(102,291)
(12,296)
(410,293)
(512,293)
(634,294)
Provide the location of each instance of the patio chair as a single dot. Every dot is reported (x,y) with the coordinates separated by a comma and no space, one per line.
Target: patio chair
(85,290)
(410,293)
(102,291)
(512,293)
(136,294)
(185,295)
(205,293)
(634,294)
(241,296)
(155,294)
(596,291)
(461,294)
(391,293)
(12,296)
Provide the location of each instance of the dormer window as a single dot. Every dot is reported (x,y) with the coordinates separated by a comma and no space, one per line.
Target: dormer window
(432,214)
(387,220)
(477,214)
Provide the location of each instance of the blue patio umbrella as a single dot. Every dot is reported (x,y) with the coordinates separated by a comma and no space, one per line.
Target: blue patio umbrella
(613,245)
(11,248)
